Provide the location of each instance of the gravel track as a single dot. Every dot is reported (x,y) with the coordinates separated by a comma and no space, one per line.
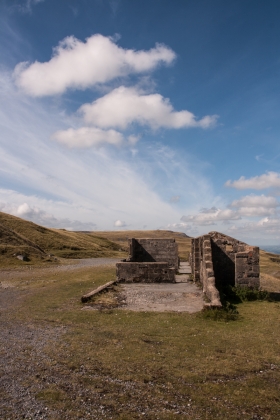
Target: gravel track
(7,274)
(25,368)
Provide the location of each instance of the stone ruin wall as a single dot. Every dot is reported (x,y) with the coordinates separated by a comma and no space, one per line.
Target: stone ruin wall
(217,259)
(202,268)
(149,272)
(149,261)
(154,250)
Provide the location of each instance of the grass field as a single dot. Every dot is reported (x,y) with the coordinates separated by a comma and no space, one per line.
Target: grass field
(166,365)
(76,362)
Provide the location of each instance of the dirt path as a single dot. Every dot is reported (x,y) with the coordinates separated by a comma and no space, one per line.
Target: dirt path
(7,274)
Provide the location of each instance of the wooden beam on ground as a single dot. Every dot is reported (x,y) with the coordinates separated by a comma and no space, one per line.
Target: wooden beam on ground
(99,289)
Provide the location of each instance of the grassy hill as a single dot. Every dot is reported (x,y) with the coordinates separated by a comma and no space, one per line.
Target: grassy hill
(18,236)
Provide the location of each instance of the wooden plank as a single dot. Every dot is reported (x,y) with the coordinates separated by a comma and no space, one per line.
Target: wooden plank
(99,289)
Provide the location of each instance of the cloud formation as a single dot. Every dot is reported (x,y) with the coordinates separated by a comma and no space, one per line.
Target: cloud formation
(256,201)
(247,206)
(79,65)
(255,205)
(265,228)
(211,216)
(121,108)
(87,136)
(126,105)
(119,223)
(268,180)
(96,186)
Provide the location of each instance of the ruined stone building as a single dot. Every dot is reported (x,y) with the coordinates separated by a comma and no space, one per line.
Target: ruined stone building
(216,260)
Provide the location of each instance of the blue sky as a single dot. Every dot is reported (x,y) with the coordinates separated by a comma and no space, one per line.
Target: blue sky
(129,114)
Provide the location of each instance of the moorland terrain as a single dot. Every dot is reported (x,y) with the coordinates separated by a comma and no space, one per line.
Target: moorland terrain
(60,360)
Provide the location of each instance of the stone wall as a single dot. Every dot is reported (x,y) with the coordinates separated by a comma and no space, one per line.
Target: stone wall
(149,261)
(235,262)
(148,272)
(154,250)
(218,260)
(202,268)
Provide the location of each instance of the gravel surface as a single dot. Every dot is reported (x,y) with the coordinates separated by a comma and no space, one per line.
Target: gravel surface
(25,367)
(178,297)
(71,265)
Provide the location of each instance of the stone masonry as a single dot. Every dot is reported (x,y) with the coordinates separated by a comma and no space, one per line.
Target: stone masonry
(218,260)
(148,272)
(149,261)
(154,250)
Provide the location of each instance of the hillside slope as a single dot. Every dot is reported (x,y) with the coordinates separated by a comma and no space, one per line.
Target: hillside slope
(18,236)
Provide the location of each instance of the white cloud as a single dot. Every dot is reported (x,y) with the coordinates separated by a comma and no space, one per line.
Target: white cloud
(211,216)
(255,211)
(119,223)
(268,180)
(79,65)
(265,230)
(255,205)
(120,108)
(187,228)
(87,137)
(124,106)
(94,185)
(256,201)
(248,206)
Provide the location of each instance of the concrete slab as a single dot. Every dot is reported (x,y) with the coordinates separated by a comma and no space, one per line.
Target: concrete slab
(162,297)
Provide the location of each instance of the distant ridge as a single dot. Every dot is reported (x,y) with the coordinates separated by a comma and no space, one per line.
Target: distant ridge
(274,249)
